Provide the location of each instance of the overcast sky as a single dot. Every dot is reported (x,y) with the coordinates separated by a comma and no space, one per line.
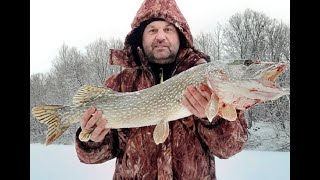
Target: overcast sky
(80,22)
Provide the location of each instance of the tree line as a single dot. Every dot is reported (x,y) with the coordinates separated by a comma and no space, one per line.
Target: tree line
(246,35)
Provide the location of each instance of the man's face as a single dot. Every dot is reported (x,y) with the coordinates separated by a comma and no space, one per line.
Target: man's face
(160,42)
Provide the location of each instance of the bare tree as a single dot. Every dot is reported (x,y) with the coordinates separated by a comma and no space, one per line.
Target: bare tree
(254,35)
(236,38)
(37,91)
(278,41)
(98,56)
(69,69)
(245,34)
(218,40)
(210,42)
(205,42)
(37,97)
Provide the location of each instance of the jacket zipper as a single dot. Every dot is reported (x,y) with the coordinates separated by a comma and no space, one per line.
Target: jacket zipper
(161,75)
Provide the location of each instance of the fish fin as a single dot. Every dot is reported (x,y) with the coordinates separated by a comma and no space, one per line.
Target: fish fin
(212,108)
(161,132)
(227,111)
(85,135)
(88,93)
(49,115)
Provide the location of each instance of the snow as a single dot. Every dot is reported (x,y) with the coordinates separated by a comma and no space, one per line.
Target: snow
(60,162)
(265,136)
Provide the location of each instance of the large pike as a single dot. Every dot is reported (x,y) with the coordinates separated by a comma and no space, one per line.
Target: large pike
(235,86)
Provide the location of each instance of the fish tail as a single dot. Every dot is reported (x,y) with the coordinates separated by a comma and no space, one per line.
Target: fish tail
(49,115)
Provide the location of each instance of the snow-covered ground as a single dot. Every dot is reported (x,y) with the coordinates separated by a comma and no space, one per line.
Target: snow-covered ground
(264,136)
(60,162)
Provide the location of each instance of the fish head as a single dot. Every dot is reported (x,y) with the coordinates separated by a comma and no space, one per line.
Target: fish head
(243,86)
(264,70)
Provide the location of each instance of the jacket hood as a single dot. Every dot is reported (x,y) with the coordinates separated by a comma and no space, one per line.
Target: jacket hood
(149,11)
(161,9)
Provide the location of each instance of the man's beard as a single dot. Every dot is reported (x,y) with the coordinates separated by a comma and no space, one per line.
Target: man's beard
(171,58)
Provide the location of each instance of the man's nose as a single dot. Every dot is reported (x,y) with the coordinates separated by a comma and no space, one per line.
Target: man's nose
(160,35)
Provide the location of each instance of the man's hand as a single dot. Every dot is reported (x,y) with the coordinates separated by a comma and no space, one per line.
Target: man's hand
(196,100)
(91,122)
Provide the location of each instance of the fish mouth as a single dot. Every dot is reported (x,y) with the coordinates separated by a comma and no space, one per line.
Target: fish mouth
(267,70)
(274,72)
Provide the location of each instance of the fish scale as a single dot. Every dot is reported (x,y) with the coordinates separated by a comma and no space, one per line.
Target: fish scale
(235,86)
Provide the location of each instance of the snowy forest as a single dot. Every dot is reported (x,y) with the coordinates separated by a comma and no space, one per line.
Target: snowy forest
(246,35)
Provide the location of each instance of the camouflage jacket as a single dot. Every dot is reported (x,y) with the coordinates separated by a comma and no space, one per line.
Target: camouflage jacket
(188,152)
